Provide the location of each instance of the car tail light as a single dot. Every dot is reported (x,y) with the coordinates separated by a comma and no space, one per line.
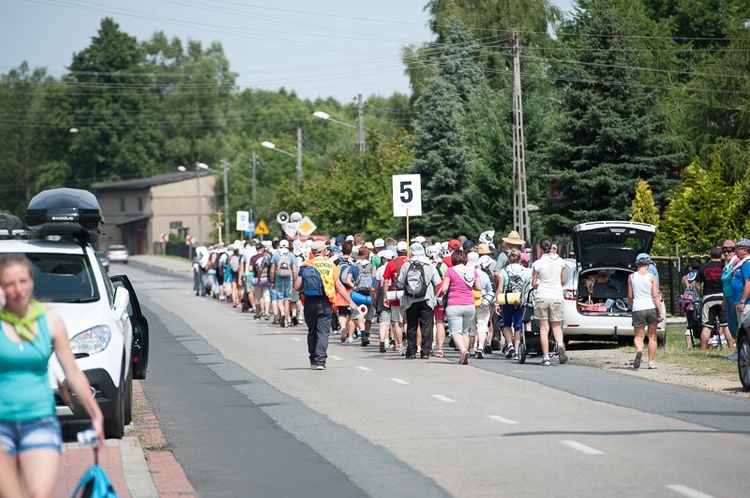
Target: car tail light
(568,294)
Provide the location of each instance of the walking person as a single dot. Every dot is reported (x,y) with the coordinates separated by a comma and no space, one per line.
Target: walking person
(645,305)
(30,436)
(548,277)
(419,280)
(318,281)
(459,282)
(281,274)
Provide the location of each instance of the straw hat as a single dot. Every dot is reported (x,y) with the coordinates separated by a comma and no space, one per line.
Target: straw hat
(514,239)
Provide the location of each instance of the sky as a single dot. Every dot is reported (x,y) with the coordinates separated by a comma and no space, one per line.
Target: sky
(317,48)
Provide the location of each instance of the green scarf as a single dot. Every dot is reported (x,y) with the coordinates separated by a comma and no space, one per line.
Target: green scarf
(24,325)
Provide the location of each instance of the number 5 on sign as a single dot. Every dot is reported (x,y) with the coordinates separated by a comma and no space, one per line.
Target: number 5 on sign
(407,195)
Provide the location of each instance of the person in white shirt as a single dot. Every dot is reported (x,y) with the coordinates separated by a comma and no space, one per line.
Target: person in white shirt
(645,304)
(547,278)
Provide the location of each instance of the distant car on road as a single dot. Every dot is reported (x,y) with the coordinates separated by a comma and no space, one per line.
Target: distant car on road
(118,253)
(743,352)
(104,259)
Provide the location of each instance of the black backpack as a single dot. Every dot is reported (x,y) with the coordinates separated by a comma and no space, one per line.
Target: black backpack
(415,283)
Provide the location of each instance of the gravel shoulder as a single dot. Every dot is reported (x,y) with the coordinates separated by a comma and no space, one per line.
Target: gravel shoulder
(620,360)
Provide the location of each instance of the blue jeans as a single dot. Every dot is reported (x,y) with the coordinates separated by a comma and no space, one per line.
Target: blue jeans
(17,437)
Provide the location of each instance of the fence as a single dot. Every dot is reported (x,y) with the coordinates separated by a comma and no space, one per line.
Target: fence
(179,249)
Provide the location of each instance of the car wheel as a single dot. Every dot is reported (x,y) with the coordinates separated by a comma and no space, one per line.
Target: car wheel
(743,360)
(662,341)
(521,353)
(114,428)
(129,399)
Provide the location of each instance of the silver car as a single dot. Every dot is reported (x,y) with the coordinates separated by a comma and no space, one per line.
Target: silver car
(596,290)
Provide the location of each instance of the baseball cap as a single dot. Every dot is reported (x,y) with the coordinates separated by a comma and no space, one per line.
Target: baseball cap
(454,244)
(387,254)
(644,258)
(284,243)
(350,237)
(335,249)
(259,246)
(727,243)
(379,243)
(468,245)
(417,249)
(419,239)
(402,246)
(318,246)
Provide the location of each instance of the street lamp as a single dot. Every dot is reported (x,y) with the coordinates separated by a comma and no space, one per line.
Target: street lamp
(272,146)
(198,166)
(360,120)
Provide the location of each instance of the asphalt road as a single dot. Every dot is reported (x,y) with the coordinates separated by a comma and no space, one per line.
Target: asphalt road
(246,416)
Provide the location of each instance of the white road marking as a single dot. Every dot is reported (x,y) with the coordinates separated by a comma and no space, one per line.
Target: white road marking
(582,447)
(688,491)
(443,398)
(334,357)
(278,331)
(400,381)
(365,369)
(504,420)
(296,339)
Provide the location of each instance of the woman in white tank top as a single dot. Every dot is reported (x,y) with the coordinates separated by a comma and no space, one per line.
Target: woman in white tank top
(645,304)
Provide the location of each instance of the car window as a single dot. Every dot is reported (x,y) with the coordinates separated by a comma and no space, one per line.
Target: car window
(615,247)
(63,278)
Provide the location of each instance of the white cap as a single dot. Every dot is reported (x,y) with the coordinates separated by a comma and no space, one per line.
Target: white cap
(284,243)
(386,253)
(350,237)
(379,243)
(402,246)
(419,239)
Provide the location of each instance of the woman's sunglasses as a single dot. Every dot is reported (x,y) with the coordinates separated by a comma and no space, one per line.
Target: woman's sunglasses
(727,250)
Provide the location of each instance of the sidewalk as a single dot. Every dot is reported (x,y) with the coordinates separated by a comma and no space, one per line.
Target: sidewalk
(168,263)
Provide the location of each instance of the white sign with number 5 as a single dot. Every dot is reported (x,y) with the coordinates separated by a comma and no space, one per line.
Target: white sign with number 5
(407,195)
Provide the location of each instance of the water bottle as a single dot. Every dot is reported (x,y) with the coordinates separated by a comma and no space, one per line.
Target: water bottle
(87,437)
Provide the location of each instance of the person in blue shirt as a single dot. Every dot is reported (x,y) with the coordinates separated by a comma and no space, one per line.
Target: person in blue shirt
(741,279)
(283,269)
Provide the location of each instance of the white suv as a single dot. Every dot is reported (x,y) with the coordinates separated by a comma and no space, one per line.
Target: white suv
(596,290)
(108,333)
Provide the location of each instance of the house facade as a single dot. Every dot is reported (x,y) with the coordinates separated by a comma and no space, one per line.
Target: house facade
(136,212)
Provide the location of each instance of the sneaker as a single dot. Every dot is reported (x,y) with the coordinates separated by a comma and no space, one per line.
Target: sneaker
(510,352)
(487,348)
(350,340)
(505,350)
(344,333)
(365,341)
(652,365)
(472,352)
(282,321)
(637,361)
(464,360)
(515,356)
(275,320)
(313,365)
(545,362)
(480,354)
(382,347)
(401,350)
(320,367)
(424,356)
(265,316)
(256,317)
(295,321)
(439,353)
(561,353)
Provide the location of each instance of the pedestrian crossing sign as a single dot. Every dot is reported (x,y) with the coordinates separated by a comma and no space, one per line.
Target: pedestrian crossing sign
(261,228)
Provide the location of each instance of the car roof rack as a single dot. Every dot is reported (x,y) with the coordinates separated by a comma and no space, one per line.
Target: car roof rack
(13,226)
(65,211)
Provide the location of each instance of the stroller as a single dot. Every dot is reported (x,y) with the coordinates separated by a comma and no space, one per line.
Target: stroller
(691,305)
(531,344)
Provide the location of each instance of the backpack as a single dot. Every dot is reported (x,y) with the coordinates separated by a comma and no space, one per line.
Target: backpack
(95,484)
(363,284)
(688,299)
(312,283)
(284,266)
(262,265)
(515,282)
(398,285)
(415,283)
(345,267)
(235,263)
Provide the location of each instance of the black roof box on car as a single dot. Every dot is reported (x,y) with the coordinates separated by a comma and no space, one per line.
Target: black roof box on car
(64,211)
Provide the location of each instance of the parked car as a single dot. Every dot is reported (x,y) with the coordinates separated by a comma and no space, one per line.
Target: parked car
(108,333)
(103,259)
(743,351)
(596,291)
(118,253)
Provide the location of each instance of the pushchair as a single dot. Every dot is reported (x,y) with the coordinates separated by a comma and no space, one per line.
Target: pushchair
(691,305)
(531,344)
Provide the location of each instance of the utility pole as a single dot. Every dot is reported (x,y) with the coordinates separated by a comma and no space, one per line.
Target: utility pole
(225,167)
(254,184)
(299,155)
(361,123)
(200,207)
(520,201)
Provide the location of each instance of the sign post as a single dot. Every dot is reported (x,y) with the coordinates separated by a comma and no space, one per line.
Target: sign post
(407,197)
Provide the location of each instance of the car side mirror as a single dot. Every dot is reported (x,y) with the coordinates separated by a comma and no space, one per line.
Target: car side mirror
(122,299)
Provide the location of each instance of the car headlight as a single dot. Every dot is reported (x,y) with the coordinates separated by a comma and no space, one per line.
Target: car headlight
(91,341)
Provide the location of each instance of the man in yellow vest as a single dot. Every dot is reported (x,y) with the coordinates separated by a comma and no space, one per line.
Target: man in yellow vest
(318,281)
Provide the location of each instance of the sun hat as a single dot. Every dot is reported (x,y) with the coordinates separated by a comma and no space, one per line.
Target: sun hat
(644,258)
(402,246)
(743,242)
(318,246)
(487,262)
(419,239)
(379,243)
(514,239)
(369,245)
(472,260)
(454,244)
(417,249)
(486,237)
(727,244)
(483,249)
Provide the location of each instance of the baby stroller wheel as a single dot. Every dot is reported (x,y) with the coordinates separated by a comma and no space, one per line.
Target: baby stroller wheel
(496,345)
(521,353)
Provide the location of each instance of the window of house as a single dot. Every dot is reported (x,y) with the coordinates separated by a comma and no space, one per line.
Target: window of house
(140,204)
(122,204)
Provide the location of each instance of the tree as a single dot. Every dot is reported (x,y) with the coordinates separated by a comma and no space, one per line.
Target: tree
(608,139)
(643,209)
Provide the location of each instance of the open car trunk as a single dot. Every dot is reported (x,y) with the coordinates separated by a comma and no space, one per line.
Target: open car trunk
(603,291)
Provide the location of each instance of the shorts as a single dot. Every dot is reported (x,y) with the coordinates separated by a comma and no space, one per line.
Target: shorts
(439,314)
(261,292)
(460,319)
(548,309)
(713,307)
(283,289)
(512,317)
(344,311)
(272,293)
(17,437)
(385,316)
(643,318)
(248,284)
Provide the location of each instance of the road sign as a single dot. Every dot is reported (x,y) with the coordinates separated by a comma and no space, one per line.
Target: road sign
(306,226)
(407,195)
(243,220)
(295,217)
(290,229)
(175,225)
(164,238)
(281,218)
(190,240)
(261,228)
